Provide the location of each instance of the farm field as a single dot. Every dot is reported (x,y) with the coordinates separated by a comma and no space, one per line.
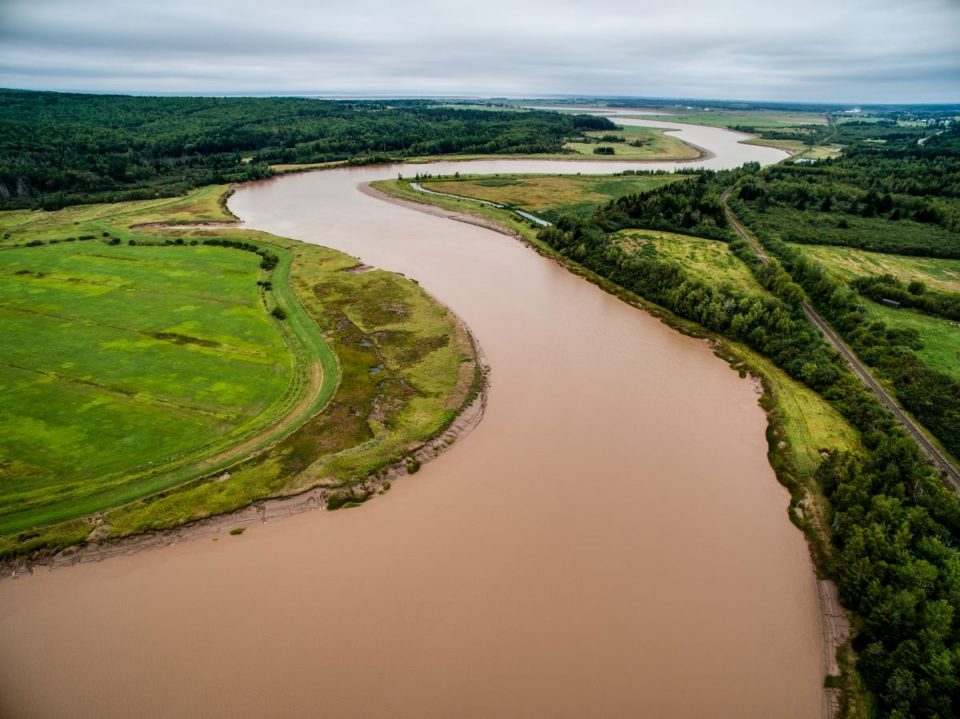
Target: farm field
(848,263)
(117,359)
(940,337)
(550,195)
(147,359)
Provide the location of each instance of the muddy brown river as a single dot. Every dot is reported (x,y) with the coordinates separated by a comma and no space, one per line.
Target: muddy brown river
(608,542)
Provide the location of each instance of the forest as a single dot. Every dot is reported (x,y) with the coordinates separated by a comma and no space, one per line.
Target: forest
(60,149)
(896,526)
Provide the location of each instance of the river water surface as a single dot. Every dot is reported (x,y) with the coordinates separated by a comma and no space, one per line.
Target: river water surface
(608,542)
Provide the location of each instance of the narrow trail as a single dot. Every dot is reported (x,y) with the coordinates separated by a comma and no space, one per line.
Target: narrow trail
(943,464)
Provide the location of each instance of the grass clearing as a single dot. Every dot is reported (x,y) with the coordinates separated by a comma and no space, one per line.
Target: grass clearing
(709,261)
(848,263)
(550,196)
(940,337)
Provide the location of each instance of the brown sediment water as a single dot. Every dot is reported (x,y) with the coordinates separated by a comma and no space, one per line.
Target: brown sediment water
(608,542)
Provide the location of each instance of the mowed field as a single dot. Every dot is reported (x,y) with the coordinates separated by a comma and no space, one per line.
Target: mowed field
(551,196)
(119,359)
(848,263)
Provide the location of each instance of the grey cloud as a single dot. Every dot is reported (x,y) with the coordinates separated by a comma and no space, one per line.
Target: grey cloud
(819,50)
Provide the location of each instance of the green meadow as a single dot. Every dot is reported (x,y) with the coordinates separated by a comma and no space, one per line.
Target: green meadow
(848,263)
(940,337)
(155,374)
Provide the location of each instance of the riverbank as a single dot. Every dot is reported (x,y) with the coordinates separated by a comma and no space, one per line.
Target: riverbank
(397,388)
(272,508)
(571,530)
(805,508)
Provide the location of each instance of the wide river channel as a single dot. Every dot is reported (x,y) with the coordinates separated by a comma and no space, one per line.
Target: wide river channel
(610,541)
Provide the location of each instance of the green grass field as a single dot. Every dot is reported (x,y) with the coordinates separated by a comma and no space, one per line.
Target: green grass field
(550,195)
(848,263)
(709,261)
(940,337)
(116,359)
(136,368)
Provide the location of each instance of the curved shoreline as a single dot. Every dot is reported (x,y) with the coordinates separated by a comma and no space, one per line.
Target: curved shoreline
(468,416)
(834,621)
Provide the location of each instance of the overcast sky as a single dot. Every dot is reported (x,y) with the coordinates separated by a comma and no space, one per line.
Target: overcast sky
(848,51)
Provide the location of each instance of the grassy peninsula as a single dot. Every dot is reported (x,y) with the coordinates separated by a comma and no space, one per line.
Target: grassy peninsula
(159,373)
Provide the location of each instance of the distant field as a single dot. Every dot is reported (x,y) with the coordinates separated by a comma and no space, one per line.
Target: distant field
(551,196)
(743,118)
(798,147)
(654,145)
(709,261)
(941,274)
(940,337)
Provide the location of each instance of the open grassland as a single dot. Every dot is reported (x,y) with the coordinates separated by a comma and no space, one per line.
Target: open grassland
(709,261)
(847,263)
(85,222)
(940,337)
(135,374)
(768,119)
(635,143)
(550,196)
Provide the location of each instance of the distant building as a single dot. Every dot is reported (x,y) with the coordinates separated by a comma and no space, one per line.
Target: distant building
(890,303)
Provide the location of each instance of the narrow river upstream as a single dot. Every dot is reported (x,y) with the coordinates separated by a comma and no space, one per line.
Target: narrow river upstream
(610,541)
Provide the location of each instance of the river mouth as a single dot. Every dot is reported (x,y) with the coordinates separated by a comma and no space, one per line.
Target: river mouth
(609,541)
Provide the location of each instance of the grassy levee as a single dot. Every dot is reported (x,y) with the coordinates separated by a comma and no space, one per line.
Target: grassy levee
(349,372)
